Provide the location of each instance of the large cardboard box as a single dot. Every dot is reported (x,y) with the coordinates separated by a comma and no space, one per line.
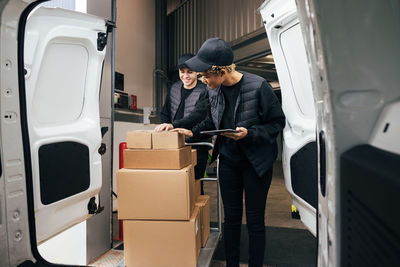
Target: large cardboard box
(162,243)
(167,140)
(194,157)
(155,194)
(203,202)
(139,139)
(171,159)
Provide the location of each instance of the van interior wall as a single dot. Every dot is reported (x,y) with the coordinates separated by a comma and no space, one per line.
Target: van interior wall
(120,129)
(135,48)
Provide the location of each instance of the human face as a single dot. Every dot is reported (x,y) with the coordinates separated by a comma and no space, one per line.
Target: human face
(188,77)
(212,80)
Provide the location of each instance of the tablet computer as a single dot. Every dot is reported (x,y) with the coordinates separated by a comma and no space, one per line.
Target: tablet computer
(217,132)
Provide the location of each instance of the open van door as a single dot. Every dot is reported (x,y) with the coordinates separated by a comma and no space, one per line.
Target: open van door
(63,59)
(353,54)
(353,50)
(50,127)
(299,157)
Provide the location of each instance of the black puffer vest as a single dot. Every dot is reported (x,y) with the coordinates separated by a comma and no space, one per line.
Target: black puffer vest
(261,154)
(190,101)
(246,108)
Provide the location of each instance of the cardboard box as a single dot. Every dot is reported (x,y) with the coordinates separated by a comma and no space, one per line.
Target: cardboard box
(162,243)
(155,194)
(203,202)
(171,159)
(167,140)
(194,157)
(139,139)
(197,186)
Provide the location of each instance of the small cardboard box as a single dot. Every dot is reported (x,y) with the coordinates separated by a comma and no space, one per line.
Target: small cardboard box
(155,194)
(197,186)
(162,243)
(203,202)
(194,157)
(167,140)
(139,139)
(171,159)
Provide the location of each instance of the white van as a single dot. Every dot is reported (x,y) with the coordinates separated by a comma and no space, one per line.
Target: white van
(339,71)
(338,66)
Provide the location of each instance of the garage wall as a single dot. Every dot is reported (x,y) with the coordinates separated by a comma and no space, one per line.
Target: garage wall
(135,47)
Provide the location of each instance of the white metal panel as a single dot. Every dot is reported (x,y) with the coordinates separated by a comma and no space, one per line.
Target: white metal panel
(14,229)
(386,134)
(353,50)
(299,74)
(62,97)
(62,86)
(68,247)
(285,38)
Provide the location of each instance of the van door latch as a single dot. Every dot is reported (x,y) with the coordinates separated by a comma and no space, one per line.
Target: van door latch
(102,149)
(101,40)
(102,36)
(92,206)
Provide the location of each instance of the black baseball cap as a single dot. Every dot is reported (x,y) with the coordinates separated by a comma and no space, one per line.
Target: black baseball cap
(213,52)
(182,59)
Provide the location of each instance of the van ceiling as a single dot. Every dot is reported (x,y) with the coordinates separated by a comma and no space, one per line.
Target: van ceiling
(263,66)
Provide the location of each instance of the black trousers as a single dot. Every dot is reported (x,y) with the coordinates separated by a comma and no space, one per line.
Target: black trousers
(236,177)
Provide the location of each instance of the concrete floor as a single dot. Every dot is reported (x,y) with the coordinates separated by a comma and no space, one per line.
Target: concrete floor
(278,208)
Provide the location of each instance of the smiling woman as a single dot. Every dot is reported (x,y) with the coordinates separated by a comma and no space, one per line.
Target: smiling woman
(244,102)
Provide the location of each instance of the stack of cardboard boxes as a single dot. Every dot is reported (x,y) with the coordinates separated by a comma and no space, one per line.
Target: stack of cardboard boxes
(166,221)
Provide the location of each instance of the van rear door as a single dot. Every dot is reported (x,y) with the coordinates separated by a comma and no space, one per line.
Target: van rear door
(63,57)
(353,50)
(50,128)
(299,157)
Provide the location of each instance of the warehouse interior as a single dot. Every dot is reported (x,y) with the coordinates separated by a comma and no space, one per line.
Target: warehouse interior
(149,37)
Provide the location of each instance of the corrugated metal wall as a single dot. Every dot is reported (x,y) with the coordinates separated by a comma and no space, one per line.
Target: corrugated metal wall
(197,20)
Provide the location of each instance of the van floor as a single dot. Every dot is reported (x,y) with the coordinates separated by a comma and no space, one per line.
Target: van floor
(288,243)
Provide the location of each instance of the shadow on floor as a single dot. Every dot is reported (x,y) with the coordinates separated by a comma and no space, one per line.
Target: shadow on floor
(285,247)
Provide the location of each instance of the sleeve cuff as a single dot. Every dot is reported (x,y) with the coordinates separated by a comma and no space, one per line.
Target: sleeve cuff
(248,138)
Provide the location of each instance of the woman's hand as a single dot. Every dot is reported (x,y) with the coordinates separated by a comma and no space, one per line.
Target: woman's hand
(242,132)
(164,127)
(183,131)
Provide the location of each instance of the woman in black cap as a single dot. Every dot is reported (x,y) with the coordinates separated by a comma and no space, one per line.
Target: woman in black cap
(246,103)
(185,106)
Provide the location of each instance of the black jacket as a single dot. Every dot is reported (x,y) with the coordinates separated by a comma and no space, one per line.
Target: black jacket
(196,107)
(258,110)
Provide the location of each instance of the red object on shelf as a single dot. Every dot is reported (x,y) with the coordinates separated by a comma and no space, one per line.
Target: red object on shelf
(122,147)
(132,102)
